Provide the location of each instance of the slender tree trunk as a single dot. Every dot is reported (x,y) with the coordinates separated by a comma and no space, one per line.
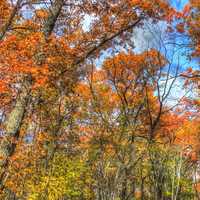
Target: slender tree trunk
(12,128)
(142,189)
(124,186)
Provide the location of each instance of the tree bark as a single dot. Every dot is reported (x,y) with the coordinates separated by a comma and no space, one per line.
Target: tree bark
(12,128)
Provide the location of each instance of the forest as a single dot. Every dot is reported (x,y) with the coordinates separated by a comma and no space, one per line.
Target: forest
(99,99)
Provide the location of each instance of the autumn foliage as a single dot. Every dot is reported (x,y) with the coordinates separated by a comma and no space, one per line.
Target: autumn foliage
(87,115)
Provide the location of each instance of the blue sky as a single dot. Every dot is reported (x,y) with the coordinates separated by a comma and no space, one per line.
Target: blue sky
(178,4)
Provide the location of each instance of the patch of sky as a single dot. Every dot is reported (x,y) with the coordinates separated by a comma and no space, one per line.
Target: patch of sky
(28,138)
(178,4)
(87,21)
(175,47)
(176,51)
(28,11)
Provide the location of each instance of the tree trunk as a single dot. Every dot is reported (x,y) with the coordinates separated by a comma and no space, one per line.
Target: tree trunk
(12,128)
(142,188)
(124,186)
